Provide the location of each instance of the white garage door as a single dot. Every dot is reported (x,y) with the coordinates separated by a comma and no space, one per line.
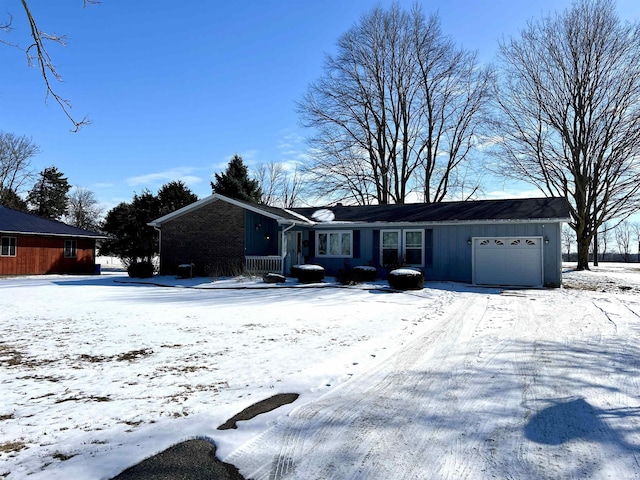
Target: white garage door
(507,261)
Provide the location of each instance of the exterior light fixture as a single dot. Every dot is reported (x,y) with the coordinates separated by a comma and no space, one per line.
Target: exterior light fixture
(468,241)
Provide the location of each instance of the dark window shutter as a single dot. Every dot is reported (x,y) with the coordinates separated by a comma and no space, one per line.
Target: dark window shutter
(356,244)
(376,248)
(428,247)
(312,243)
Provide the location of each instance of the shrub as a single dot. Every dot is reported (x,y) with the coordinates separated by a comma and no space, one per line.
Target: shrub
(140,270)
(364,273)
(308,273)
(358,274)
(406,279)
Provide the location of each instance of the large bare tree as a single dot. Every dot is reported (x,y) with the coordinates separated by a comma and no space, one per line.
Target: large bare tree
(38,56)
(83,210)
(570,113)
(280,186)
(395,111)
(15,166)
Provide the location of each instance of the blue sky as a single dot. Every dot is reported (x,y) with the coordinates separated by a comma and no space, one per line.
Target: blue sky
(174,89)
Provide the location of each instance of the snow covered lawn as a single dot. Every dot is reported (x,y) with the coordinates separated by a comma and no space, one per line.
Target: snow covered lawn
(447,382)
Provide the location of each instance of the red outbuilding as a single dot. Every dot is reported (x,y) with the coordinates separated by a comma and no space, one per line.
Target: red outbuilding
(32,245)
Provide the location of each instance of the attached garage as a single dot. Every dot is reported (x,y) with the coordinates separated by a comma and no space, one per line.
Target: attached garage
(516,261)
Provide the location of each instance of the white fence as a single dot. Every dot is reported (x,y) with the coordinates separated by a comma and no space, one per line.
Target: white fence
(259,265)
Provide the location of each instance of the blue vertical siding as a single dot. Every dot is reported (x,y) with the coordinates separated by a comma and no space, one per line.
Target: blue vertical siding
(452,253)
(261,234)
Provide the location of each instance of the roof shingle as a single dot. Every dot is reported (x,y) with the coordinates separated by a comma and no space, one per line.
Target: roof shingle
(500,210)
(14,221)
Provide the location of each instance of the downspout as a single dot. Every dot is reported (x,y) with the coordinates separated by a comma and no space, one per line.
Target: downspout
(159,230)
(284,246)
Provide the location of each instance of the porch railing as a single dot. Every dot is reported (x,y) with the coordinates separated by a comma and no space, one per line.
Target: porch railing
(259,265)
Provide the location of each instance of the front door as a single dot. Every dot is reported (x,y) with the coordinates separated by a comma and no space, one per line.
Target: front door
(294,251)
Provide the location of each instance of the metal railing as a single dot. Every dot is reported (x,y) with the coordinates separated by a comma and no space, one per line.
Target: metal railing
(259,265)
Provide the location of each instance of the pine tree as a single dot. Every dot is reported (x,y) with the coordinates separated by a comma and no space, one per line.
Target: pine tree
(175,195)
(235,182)
(48,197)
(9,198)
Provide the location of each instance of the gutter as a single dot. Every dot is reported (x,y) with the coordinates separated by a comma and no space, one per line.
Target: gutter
(45,234)
(361,224)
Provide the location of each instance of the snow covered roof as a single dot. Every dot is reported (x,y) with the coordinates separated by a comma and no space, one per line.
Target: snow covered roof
(14,221)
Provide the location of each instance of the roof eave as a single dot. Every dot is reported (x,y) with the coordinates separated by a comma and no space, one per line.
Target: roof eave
(217,197)
(361,224)
(49,234)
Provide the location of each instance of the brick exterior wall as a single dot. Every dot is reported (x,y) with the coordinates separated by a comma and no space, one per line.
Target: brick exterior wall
(211,237)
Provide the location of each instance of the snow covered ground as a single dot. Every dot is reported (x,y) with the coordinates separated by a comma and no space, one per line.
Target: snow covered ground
(448,382)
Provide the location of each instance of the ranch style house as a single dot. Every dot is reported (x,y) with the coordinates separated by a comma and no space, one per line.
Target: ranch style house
(514,242)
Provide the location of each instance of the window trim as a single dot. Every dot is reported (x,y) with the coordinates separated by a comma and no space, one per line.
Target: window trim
(341,233)
(402,245)
(382,232)
(12,246)
(73,253)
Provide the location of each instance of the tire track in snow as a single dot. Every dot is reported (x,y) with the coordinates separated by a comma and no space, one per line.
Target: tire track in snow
(349,432)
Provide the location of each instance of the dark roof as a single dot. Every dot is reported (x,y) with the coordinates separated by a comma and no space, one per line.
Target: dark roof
(278,212)
(14,221)
(500,210)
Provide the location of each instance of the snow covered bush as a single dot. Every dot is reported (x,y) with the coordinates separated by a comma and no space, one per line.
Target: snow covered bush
(140,270)
(364,273)
(406,279)
(357,274)
(308,273)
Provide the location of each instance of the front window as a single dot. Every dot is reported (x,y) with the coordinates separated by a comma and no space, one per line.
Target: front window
(8,248)
(390,247)
(405,247)
(334,244)
(413,247)
(70,248)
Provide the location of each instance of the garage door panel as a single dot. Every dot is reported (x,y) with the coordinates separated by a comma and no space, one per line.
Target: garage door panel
(508,261)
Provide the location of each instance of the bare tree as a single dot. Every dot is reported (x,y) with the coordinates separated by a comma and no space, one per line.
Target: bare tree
(567,240)
(280,187)
(602,241)
(15,163)
(397,99)
(83,210)
(38,56)
(635,227)
(623,239)
(570,113)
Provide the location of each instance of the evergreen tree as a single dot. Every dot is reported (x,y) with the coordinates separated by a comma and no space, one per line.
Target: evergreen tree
(130,238)
(48,197)
(9,198)
(173,196)
(235,182)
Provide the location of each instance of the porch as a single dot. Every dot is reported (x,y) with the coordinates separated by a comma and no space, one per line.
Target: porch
(261,264)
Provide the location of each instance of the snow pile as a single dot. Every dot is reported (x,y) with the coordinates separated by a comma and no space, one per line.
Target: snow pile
(309,267)
(405,272)
(323,215)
